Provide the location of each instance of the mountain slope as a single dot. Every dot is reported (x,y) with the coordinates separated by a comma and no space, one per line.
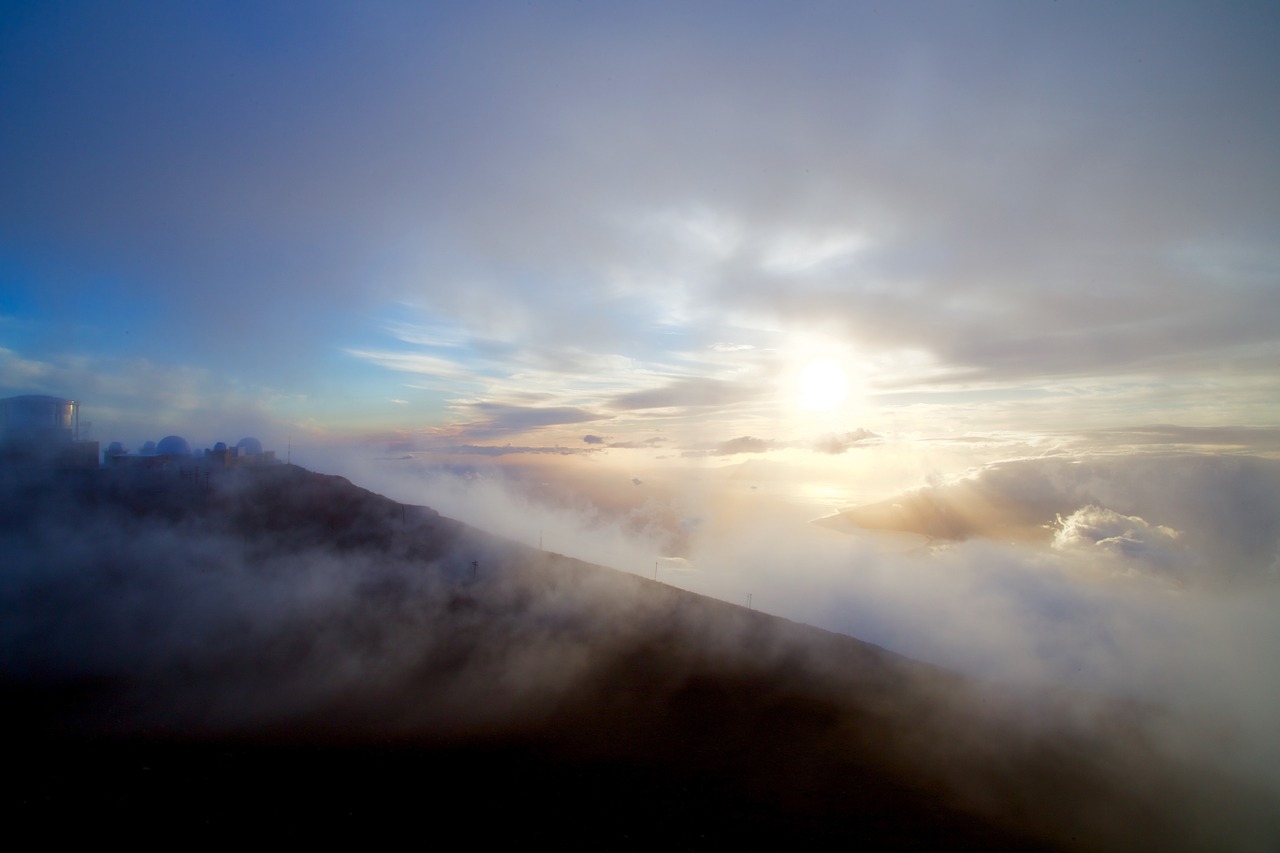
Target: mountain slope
(282,648)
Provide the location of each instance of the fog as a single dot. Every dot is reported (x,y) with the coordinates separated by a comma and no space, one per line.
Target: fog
(296,606)
(258,616)
(1152,577)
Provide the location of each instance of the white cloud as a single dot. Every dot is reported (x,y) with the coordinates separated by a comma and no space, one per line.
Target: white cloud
(802,252)
(415,362)
(1127,536)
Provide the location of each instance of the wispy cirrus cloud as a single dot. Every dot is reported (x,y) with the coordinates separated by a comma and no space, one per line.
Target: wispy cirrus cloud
(501,419)
(419,363)
(687,393)
(651,442)
(735,446)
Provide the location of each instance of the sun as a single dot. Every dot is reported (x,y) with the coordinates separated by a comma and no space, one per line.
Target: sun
(823,385)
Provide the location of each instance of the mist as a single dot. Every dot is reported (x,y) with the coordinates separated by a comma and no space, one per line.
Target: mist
(302,605)
(1151,577)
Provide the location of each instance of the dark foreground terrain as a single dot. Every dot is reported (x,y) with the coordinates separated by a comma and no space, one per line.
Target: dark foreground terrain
(276,651)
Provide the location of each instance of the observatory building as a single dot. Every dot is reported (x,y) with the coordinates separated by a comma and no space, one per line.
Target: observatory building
(36,429)
(39,431)
(174,453)
(246,451)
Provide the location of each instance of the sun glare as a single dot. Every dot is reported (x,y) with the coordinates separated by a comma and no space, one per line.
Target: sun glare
(823,385)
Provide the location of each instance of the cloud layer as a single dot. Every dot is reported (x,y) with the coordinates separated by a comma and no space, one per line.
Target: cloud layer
(1147,577)
(303,605)
(652,214)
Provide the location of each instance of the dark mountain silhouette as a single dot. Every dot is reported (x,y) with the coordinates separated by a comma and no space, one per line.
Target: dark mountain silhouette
(274,649)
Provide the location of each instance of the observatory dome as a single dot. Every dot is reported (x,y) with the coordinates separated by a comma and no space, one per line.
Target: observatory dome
(148,448)
(115,448)
(173,445)
(220,446)
(249,446)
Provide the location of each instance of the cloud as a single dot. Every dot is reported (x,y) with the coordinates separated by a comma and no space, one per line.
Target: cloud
(1212,519)
(1239,438)
(836,443)
(446,445)
(416,363)
(1184,622)
(1126,536)
(735,446)
(293,207)
(611,444)
(689,393)
(744,444)
(651,442)
(508,450)
(478,422)
(502,419)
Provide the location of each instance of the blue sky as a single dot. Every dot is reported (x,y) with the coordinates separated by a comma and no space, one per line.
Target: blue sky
(487,223)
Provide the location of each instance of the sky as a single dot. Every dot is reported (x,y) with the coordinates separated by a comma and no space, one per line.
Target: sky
(655,285)
(673,227)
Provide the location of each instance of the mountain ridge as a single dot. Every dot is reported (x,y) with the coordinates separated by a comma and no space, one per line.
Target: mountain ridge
(282,616)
